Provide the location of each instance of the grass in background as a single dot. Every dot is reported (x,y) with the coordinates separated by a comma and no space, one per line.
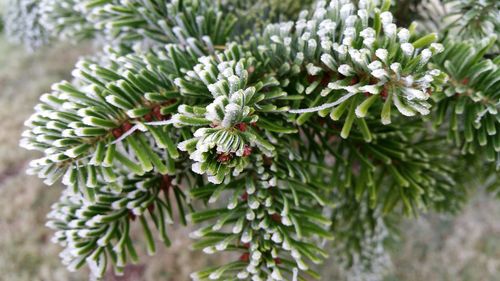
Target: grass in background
(433,248)
(25,249)
(444,248)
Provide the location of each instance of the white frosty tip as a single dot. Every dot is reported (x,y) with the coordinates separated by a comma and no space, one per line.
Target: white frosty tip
(386,18)
(345,70)
(382,54)
(407,49)
(404,35)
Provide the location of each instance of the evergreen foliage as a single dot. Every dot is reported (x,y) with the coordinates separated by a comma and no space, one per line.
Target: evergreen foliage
(476,20)
(23,25)
(275,130)
(461,19)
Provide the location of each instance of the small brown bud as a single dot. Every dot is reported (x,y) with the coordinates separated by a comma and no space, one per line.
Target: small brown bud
(126,126)
(117,132)
(247,151)
(245,257)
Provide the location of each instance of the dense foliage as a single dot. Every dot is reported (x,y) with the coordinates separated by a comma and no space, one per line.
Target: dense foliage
(277,127)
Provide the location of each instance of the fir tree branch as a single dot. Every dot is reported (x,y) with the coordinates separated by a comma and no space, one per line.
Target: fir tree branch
(471,97)
(97,233)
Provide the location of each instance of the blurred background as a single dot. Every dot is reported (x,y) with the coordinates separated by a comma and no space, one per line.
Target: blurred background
(432,247)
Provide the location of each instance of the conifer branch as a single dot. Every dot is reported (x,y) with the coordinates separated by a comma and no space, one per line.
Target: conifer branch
(312,127)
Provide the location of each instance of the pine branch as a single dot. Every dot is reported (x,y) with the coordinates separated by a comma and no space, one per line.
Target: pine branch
(269,219)
(221,148)
(474,19)
(66,19)
(361,235)
(461,19)
(184,22)
(195,23)
(470,100)
(400,167)
(22,24)
(238,113)
(97,233)
(77,125)
(369,65)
